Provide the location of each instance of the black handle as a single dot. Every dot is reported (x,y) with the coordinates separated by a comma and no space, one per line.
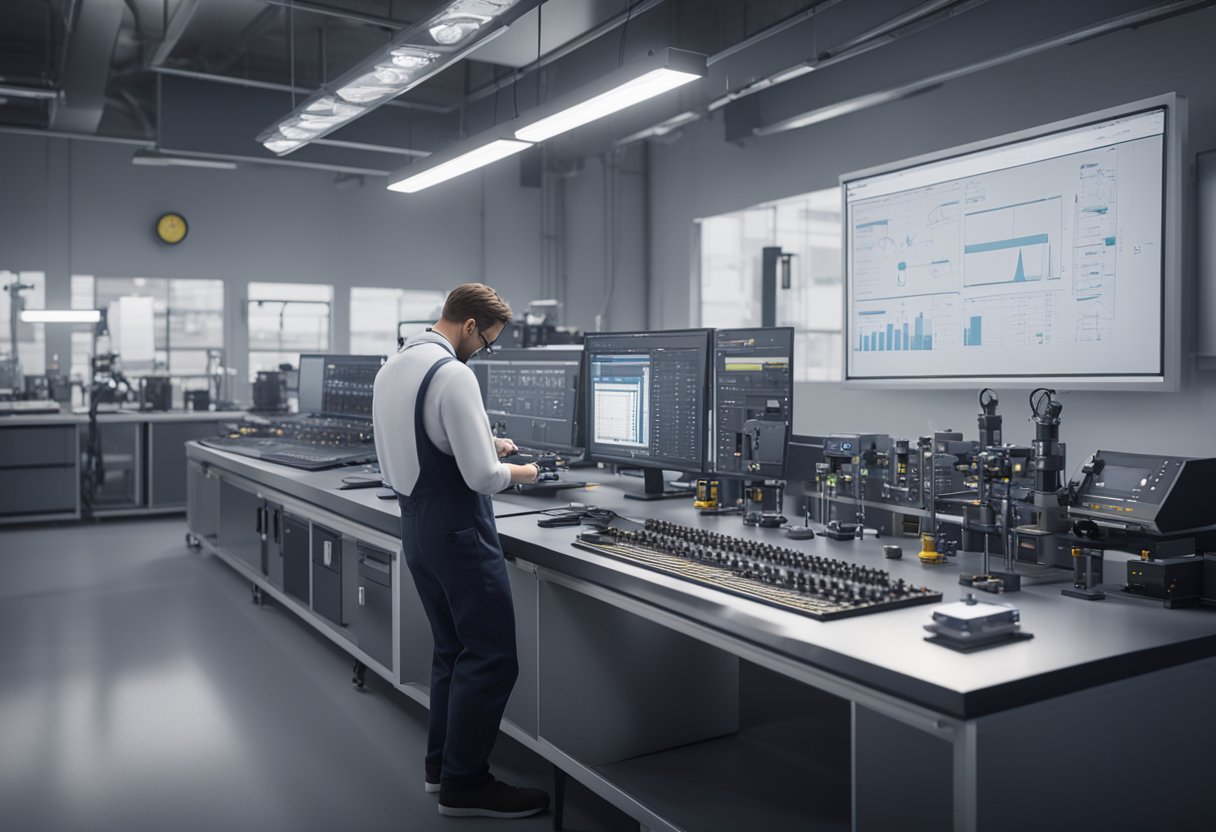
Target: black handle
(372,563)
(277,512)
(258,519)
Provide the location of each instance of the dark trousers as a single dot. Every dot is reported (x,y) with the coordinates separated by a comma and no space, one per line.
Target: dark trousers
(461,578)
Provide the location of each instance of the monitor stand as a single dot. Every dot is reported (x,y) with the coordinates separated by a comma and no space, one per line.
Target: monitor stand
(656,487)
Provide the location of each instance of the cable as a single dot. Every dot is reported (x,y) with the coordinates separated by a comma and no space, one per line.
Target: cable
(291,48)
(539,9)
(620,58)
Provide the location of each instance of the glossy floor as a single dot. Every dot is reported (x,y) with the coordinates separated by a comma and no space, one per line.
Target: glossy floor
(140,689)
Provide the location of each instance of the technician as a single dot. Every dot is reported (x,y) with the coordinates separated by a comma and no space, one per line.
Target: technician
(435,448)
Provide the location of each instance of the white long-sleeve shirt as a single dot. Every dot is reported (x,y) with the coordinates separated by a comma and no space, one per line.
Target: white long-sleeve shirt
(453,416)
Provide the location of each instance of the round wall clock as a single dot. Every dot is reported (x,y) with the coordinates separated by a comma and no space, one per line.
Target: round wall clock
(171,228)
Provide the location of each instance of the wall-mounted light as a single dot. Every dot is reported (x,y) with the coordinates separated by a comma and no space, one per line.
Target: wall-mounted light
(416,53)
(658,73)
(60,316)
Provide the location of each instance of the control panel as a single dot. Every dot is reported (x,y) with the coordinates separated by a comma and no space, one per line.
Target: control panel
(1159,494)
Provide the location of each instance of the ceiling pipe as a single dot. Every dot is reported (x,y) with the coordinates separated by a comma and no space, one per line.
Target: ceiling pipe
(1114,24)
(633,12)
(271,85)
(341,14)
(36,93)
(913,21)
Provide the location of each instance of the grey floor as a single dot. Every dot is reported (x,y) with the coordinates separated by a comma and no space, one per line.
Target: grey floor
(140,689)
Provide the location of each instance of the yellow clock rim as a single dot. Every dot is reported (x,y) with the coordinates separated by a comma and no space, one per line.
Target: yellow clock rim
(162,232)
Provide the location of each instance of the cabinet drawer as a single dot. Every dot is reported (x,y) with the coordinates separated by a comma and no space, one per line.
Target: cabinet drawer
(327,593)
(38,491)
(24,447)
(327,548)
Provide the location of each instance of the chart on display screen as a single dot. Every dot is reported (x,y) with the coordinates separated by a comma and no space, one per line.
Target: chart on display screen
(1041,257)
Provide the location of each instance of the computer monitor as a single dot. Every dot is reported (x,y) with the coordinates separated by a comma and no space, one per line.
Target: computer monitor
(338,385)
(647,395)
(1046,257)
(753,401)
(534,396)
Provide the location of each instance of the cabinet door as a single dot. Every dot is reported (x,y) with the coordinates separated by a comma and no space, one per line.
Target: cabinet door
(327,574)
(203,503)
(167,487)
(241,523)
(374,613)
(294,551)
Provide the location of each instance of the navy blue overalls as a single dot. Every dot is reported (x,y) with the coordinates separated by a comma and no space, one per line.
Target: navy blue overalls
(452,549)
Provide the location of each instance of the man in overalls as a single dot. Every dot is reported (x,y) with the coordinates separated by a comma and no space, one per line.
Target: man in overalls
(435,448)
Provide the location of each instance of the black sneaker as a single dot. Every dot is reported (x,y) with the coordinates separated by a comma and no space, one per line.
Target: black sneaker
(432,777)
(492,799)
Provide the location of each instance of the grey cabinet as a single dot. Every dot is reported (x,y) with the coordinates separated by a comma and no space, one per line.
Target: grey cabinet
(327,574)
(202,502)
(241,524)
(38,474)
(167,486)
(374,611)
(294,556)
(120,486)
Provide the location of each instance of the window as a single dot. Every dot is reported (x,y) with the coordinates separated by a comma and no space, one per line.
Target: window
(286,319)
(806,226)
(375,313)
(31,338)
(187,330)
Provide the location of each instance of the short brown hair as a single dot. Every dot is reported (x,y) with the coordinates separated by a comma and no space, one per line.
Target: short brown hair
(479,302)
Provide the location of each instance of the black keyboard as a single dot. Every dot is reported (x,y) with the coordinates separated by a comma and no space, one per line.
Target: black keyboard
(296,454)
(822,588)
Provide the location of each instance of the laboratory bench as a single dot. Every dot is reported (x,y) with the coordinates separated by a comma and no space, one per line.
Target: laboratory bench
(143,453)
(689,708)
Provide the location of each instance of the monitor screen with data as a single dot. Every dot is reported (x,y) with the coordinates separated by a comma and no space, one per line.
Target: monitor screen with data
(1035,258)
(646,398)
(532,396)
(338,385)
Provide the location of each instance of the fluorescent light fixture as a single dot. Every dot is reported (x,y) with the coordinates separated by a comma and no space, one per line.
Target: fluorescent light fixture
(661,129)
(158,159)
(616,91)
(791,73)
(831,111)
(469,155)
(60,316)
(417,52)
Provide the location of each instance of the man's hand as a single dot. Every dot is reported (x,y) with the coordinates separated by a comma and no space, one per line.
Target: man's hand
(505,447)
(524,473)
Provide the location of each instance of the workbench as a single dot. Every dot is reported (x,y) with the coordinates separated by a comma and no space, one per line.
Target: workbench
(692,709)
(144,454)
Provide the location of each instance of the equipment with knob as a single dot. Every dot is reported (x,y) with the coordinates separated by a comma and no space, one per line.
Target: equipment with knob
(820,587)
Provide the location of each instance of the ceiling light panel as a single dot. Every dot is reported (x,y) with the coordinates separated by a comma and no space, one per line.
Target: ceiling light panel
(60,316)
(416,53)
(616,91)
(469,155)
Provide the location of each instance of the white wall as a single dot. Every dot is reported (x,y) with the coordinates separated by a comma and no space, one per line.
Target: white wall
(702,175)
(81,207)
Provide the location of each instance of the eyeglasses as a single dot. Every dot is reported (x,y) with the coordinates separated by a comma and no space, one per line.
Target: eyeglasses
(488,346)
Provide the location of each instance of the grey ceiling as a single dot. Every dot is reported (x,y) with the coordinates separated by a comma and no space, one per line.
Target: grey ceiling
(203,77)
